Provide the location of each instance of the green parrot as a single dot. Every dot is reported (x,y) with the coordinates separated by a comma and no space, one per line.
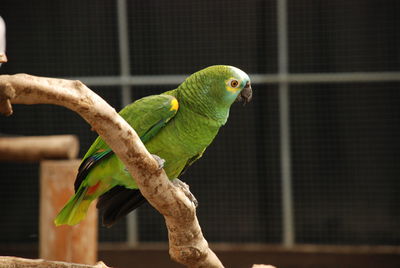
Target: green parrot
(175,126)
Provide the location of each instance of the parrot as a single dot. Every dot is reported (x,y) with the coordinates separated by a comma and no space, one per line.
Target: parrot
(176,127)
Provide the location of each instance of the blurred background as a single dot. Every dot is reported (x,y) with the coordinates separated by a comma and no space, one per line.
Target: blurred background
(309,170)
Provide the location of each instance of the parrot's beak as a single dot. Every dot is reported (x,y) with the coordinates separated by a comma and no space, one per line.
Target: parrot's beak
(246,94)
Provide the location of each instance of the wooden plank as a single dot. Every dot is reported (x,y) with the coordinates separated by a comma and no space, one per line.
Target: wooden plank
(78,243)
(36,148)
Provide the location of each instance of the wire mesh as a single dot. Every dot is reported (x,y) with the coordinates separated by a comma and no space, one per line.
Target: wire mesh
(19,192)
(185,36)
(345,163)
(344,136)
(54,38)
(344,36)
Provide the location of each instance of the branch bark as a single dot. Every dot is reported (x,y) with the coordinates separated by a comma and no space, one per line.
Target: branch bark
(11,262)
(186,242)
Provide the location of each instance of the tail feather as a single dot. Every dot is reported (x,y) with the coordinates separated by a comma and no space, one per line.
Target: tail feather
(118,202)
(75,210)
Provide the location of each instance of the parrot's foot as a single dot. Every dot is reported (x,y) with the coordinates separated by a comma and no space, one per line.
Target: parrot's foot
(159,160)
(185,188)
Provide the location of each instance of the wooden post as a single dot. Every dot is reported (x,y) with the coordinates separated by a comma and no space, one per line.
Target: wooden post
(65,243)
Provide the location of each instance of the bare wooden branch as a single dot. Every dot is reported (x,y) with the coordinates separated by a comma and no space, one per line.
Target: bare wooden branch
(11,262)
(36,148)
(186,241)
(6,94)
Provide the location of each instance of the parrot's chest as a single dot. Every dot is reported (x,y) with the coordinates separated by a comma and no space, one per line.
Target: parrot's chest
(181,139)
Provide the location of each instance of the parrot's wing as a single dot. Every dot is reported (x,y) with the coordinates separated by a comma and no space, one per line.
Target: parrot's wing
(146,116)
(97,146)
(88,163)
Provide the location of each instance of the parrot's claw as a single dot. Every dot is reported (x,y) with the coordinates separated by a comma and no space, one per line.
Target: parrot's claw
(185,188)
(159,160)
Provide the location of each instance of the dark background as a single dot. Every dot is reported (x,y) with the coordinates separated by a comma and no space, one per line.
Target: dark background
(344,136)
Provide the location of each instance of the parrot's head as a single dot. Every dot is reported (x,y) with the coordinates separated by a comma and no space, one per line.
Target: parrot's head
(214,89)
(223,83)
(228,83)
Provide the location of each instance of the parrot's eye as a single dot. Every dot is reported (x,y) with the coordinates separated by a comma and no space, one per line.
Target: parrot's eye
(234,83)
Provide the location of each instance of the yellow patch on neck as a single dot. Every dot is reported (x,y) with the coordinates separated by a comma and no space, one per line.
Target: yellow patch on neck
(174,105)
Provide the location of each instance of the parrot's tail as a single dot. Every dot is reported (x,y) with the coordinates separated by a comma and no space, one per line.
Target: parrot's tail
(75,210)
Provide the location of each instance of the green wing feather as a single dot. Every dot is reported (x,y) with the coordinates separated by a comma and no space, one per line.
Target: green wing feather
(147,116)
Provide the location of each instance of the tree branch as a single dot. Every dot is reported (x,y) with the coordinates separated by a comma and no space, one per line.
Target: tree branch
(28,263)
(186,241)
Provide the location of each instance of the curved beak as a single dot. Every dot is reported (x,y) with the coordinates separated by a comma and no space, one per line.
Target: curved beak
(246,94)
